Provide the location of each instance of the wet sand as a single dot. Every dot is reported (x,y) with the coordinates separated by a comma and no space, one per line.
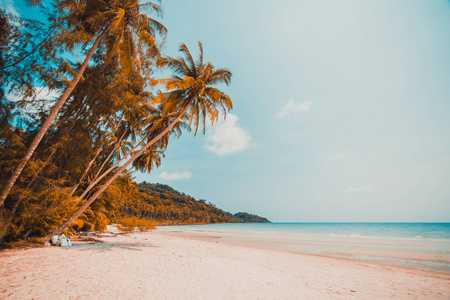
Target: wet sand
(423,255)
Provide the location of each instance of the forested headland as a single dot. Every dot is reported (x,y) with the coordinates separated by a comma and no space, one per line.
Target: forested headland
(166,205)
(81,108)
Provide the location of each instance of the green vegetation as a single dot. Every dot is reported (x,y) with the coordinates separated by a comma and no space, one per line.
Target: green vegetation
(167,206)
(131,224)
(243,217)
(65,163)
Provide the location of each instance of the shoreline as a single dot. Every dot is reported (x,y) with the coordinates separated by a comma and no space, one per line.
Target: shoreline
(430,273)
(157,265)
(420,256)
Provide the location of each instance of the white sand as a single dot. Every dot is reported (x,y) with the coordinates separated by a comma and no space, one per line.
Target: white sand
(158,266)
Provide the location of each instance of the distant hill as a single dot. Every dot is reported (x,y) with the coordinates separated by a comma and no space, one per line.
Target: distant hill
(166,205)
(243,217)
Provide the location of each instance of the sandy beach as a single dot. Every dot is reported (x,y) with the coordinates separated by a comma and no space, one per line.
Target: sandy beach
(159,265)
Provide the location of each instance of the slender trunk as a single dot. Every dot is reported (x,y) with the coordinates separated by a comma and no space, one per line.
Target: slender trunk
(85,172)
(7,217)
(3,212)
(97,194)
(93,160)
(110,154)
(37,139)
(26,234)
(97,180)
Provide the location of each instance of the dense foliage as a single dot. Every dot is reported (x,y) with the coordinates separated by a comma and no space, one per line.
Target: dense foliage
(65,160)
(243,217)
(167,206)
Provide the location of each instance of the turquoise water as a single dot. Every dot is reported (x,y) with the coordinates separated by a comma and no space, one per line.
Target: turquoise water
(409,231)
(416,245)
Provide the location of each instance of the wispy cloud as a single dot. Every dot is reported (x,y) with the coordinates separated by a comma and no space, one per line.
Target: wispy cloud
(8,6)
(358,189)
(226,137)
(46,93)
(294,107)
(42,93)
(46,100)
(337,157)
(175,176)
(344,156)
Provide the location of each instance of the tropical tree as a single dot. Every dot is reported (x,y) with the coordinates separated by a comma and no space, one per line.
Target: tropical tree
(129,34)
(190,93)
(133,104)
(148,160)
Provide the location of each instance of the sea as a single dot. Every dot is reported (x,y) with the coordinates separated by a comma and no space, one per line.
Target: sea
(424,246)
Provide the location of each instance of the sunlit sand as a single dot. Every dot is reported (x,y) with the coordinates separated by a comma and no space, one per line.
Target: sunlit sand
(158,265)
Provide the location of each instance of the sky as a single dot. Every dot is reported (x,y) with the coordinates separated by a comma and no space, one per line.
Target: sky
(341,109)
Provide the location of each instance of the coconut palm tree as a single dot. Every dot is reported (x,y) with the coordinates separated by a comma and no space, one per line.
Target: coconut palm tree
(148,160)
(156,120)
(129,34)
(191,93)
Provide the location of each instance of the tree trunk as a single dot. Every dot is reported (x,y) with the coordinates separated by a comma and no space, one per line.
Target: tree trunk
(37,139)
(3,212)
(7,218)
(111,154)
(85,172)
(26,234)
(93,160)
(97,179)
(97,194)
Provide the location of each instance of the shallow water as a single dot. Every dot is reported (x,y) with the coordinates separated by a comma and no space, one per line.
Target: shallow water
(416,245)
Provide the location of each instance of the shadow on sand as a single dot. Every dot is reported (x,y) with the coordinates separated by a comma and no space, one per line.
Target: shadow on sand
(109,246)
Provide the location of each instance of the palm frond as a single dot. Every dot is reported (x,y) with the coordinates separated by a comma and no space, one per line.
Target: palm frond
(175,65)
(192,85)
(149,40)
(126,52)
(219,76)
(155,8)
(184,49)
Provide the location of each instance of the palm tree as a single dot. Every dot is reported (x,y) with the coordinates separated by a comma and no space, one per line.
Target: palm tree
(148,160)
(137,113)
(190,93)
(129,33)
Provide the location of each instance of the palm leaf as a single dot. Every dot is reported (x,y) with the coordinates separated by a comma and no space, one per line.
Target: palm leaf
(183,49)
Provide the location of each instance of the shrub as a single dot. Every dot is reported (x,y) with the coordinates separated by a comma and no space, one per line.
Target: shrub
(133,223)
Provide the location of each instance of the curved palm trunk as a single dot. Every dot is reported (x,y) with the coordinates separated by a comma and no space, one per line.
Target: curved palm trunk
(97,179)
(6,216)
(97,194)
(37,139)
(85,172)
(92,161)
(110,154)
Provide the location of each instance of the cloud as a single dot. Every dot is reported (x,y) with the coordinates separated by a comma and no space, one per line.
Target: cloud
(344,156)
(8,6)
(226,137)
(292,107)
(46,93)
(359,189)
(340,156)
(45,97)
(42,93)
(175,176)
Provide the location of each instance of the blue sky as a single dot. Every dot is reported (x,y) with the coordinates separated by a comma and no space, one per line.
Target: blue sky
(341,109)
